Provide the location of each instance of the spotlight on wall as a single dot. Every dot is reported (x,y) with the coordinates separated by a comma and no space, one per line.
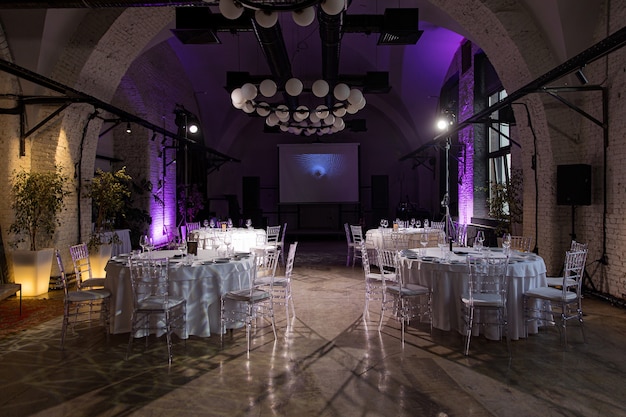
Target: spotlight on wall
(581,77)
(128,129)
(186,121)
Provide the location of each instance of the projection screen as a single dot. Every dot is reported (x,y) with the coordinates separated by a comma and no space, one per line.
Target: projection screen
(318,173)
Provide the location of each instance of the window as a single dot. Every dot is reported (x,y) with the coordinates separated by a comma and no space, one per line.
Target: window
(499,156)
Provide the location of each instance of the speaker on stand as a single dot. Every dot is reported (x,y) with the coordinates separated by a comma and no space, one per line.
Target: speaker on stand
(573,188)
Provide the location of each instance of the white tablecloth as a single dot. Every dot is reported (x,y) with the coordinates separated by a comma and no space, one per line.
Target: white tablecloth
(123,246)
(450,280)
(200,285)
(374,237)
(242,239)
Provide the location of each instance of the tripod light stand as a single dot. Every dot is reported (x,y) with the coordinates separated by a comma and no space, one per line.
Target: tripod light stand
(447,119)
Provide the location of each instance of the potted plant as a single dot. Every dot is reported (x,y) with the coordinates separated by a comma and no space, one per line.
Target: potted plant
(37,199)
(505,203)
(109,192)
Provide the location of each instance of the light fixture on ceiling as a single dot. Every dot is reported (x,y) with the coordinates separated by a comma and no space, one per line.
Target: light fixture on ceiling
(128,129)
(446,120)
(321,119)
(581,76)
(266,12)
(187,122)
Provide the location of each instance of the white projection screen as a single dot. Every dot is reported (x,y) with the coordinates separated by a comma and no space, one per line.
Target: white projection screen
(318,173)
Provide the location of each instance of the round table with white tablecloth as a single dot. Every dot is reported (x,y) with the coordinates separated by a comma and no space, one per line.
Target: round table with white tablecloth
(201,284)
(449,280)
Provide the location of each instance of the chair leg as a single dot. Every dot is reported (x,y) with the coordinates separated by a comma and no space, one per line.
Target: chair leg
(468,333)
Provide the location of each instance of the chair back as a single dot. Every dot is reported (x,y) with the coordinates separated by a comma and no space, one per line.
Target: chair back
(150,282)
(461,235)
(365,259)
(272,235)
(388,265)
(269,263)
(193,226)
(487,280)
(577,246)
(291,256)
(573,271)
(82,265)
(357,234)
(62,270)
(346,227)
(521,243)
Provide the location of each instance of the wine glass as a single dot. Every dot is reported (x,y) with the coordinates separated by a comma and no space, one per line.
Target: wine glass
(506,243)
(423,242)
(143,242)
(205,223)
(228,240)
(249,223)
(412,222)
(385,223)
(441,242)
(212,223)
(182,247)
(426,224)
(382,222)
(480,238)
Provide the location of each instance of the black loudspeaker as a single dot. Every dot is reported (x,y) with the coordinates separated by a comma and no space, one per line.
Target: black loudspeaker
(380,192)
(573,185)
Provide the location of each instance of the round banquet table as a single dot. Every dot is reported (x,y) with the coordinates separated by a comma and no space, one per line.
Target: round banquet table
(201,284)
(449,280)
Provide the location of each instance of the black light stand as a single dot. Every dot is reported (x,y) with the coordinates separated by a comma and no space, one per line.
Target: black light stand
(444,124)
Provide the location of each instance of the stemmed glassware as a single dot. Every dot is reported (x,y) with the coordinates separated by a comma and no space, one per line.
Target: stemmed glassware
(145,242)
(228,240)
(212,223)
(423,242)
(182,246)
(205,223)
(412,222)
(441,242)
(426,224)
(249,223)
(506,244)
(480,238)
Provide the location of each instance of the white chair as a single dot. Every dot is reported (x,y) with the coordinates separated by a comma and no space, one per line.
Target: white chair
(281,292)
(154,310)
(541,303)
(399,296)
(82,268)
(351,246)
(485,301)
(247,304)
(80,306)
(438,225)
(357,237)
(373,280)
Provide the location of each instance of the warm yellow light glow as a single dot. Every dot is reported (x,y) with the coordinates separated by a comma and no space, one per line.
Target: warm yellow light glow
(32,270)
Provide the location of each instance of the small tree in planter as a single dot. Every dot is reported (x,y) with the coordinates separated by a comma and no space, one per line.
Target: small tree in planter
(505,203)
(37,199)
(109,192)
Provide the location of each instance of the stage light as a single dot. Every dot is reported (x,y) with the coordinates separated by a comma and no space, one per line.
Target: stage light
(128,129)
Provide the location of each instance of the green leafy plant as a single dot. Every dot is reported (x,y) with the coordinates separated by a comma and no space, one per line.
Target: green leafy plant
(37,199)
(505,203)
(109,192)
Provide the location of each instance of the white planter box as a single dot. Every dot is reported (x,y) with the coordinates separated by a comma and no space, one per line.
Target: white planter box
(32,270)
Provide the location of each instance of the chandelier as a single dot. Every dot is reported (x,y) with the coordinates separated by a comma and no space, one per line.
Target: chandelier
(265,11)
(321,120)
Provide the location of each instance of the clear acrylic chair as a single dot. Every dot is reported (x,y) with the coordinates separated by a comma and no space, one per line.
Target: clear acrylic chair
(82,268)
(403,299)
(281,291)
(82,306)
(351,254)
(357,237)
(461,235)
(542,303)
(251,301)
(558,281)
(438,225)
(485,302)
(521,243)
(281,243)
(154,309)
(373,280)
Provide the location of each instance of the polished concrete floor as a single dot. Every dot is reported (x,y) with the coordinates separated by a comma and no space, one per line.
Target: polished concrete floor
(329,361)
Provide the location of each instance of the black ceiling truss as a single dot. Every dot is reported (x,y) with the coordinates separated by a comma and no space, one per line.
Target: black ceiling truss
(601,49)
(71,96)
